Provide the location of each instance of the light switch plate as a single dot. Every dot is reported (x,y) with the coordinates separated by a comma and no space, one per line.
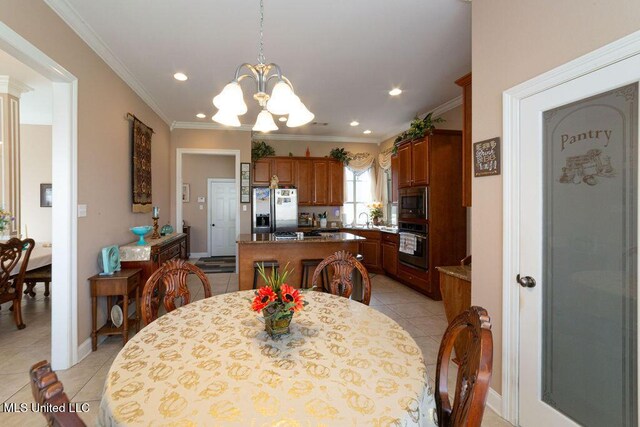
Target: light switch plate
(244,208)
(201,207)
(200,199)
(82,211)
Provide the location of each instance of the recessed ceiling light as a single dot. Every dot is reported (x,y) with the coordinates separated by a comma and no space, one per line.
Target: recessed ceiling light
(282,119)
(201,116)
(395,91)
(354,123)
(180,76)
(367,132)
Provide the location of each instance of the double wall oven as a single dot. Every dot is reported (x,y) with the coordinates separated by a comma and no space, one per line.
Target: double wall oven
(413,227)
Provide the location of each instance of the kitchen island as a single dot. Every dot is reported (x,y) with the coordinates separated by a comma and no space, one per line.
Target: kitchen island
(266,247)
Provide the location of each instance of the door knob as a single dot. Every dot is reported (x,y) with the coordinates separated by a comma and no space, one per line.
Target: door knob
(213,225)
(526,281)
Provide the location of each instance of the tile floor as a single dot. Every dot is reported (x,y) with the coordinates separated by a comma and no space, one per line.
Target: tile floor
(423,318)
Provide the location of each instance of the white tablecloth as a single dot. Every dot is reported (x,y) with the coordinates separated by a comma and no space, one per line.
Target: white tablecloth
(211,363)
(40,257)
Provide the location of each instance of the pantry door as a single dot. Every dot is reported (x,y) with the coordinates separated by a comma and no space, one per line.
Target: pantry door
(578,254)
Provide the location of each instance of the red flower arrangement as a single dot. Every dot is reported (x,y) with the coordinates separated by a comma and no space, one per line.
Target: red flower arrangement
(277,300)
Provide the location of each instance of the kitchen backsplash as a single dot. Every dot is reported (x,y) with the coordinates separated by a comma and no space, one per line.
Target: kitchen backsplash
(333,213)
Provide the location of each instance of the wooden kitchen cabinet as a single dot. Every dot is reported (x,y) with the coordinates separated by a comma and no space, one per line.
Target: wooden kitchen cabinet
(394,178)
(320,182)
(404,165)
(420,162)
(304,182)
(389,248)
(261,172)
(284,169)
(336,183)
(467,154)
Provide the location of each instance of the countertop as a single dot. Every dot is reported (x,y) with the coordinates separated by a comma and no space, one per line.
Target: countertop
(460,271)
(374,228)
(244,239)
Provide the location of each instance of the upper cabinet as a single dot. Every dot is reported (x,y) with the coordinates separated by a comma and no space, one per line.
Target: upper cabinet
(394,178)
(404,165)
(319,180)
(467,163)
(262,172)
(304,182)
(420,162)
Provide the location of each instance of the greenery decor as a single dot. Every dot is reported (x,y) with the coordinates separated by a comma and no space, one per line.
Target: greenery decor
(419,128)
(260,149)
(341,155)
(375,210)
(5,219)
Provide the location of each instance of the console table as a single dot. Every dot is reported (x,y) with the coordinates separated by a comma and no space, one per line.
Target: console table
(151,256)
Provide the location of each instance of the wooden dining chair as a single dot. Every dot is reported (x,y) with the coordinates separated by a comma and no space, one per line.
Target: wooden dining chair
(474,370)
(344,264)
(170,278)
(48,390)
(11,253)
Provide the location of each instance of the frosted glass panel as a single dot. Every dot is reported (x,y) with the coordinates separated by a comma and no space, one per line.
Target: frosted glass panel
(590,255)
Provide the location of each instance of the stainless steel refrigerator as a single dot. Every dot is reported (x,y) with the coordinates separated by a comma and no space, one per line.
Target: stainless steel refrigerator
(274,210)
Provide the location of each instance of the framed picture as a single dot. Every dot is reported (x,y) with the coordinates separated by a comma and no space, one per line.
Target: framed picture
(245,182)
(45,196)
(185,193)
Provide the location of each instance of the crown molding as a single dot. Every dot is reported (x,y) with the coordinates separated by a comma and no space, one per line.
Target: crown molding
(208,125)
(272,136)
(13,87)
(73,19)
(438,111)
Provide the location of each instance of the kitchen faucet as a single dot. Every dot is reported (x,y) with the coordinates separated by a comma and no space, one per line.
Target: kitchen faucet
(367,215)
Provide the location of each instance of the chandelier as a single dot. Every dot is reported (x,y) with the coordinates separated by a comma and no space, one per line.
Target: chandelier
(282,101)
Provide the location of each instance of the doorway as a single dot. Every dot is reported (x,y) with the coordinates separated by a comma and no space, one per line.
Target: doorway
(64,334)
(223,198)
(571,258)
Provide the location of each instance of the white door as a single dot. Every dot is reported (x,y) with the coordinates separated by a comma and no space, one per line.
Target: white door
(222,217)
(578,242)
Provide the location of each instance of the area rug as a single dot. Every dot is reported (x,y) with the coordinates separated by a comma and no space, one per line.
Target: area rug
(217,264)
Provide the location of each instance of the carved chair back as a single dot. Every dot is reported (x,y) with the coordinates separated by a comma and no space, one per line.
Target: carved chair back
(474,371)
(341,283)
(11,253)
(170,278)
(47,390)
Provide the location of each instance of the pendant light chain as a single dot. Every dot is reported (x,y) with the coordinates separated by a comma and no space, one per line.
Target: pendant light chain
(261,59)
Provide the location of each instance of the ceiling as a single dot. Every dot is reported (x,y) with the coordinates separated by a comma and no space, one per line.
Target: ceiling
(341,56)
(36,106)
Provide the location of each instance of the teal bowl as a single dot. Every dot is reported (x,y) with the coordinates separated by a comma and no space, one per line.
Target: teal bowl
(141,231)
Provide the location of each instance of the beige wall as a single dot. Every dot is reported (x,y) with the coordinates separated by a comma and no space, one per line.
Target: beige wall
(196,169)
(210,139)
(514,41)
(35,169)
(318,148)
(104,150)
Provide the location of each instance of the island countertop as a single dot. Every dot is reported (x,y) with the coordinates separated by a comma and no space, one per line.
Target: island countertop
(261,238)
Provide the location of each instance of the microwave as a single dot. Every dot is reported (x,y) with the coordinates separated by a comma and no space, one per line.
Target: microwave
(413,203)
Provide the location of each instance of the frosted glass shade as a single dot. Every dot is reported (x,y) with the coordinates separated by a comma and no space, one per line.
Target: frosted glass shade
(282,99)
(231,100)
(265,122)
(299,115)
(226,118)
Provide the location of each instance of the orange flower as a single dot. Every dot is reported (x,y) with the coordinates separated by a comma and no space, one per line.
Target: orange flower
(291,295)
(264,297)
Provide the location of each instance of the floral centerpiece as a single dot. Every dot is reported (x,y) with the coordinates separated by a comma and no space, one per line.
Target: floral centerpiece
(277,301)
(375,211)
(5,219)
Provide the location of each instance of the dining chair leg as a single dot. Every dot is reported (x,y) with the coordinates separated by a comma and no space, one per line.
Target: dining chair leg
(17,314)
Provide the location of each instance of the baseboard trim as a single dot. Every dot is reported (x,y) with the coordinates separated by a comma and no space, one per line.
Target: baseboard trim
(198,255)
(84,349)
(494,401)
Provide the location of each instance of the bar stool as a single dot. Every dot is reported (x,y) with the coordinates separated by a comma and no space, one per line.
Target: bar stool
(267,264)
(307,265)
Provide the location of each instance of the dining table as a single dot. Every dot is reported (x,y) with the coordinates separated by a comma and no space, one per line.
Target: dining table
(211,362)
(40,257)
